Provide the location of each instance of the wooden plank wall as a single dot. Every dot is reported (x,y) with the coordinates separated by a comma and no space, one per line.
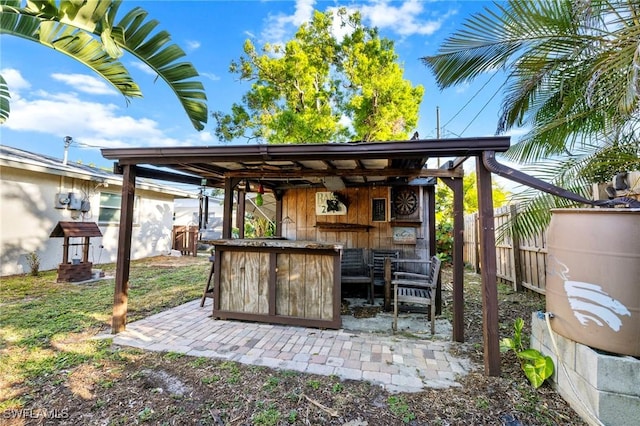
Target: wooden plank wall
(298,209)
(524,267)
(252,295)
(304,286)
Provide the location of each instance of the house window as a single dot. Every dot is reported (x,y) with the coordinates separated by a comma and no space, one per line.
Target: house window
(110,208)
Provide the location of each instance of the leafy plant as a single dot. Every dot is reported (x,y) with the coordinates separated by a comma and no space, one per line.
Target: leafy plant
(444,241)
(268,417)
(33,260)
(536,366)
(399,407)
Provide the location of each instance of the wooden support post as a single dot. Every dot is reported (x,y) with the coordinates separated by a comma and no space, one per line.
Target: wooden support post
(488,272)
(278,217)
(65,251)
(387,284)
(85,250)
(123,260)
(227,213)
(458,259)
(240,210)
(431,224)
(515,250)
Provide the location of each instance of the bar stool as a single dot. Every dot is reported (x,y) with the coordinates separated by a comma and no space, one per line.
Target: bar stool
(208,288)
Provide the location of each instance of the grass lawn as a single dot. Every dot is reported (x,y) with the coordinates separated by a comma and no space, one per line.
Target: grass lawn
(45,325)
(52,370)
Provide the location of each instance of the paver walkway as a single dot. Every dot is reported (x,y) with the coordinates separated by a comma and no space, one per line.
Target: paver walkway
(396,363)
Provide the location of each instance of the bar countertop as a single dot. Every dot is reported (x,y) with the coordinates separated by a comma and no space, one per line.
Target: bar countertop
(276,243)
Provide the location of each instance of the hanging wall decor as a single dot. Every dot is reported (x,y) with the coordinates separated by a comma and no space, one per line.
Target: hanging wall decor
(329,203)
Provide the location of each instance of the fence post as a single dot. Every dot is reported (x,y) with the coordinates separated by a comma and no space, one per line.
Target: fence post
(515,248)
(476,246)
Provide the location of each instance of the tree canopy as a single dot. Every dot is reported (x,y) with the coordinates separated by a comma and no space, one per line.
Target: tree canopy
(86,31)
(319,88)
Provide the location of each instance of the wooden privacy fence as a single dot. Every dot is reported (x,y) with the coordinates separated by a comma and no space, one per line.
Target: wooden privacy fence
(185,239)
(519,262)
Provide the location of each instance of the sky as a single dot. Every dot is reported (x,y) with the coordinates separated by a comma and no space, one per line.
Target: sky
(53,96)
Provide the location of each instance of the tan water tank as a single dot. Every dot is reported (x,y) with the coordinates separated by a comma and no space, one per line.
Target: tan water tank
(593,277)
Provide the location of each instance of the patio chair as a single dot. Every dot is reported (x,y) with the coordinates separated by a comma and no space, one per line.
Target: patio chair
(354,270)
(411,288)
(377,261)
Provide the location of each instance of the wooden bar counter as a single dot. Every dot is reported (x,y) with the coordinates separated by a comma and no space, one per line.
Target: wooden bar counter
(278,281)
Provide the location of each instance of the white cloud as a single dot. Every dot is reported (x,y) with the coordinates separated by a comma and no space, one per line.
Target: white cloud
(193,45)
(205,136)
(67,114)
(143,67)
(85,83)
(403,19)
(210,76)
(15,81)
(279,27)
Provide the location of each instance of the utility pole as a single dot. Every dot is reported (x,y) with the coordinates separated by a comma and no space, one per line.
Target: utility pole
(438,128)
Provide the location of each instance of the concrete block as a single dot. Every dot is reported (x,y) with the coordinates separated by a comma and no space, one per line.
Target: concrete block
(601,388)
(616,409)
(619,374)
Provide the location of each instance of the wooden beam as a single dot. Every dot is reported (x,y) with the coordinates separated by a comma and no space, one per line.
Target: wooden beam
(227,209)
(488,273)
(452,147)
(458,259)
(515,252)
(430,192)
(278,217)
(144,172)
(123,260)
(305,173)
(240,211)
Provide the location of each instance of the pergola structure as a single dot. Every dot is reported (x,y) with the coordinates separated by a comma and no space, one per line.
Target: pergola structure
(278,168)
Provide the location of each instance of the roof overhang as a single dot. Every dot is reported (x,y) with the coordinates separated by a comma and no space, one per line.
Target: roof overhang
(286,166)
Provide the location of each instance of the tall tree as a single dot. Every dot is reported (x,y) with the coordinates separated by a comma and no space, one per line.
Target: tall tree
(572,76)
(317,88)
(85,31)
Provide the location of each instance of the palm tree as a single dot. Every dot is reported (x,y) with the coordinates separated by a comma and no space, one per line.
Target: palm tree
(73,27)
(571,76)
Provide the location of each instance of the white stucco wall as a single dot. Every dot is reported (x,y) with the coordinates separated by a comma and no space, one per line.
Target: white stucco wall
(27,217)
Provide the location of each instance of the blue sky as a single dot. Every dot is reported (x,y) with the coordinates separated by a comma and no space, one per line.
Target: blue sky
(53,96)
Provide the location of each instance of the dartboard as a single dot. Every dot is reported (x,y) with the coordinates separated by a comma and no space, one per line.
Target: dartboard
(405,202)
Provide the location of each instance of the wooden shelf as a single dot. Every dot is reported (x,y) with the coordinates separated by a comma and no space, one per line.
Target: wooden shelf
(342,227)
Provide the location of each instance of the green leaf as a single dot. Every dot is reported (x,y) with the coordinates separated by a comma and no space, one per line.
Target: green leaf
(5,108)
(160,55)
(71,30)
(533,375)
(507,344)
(72,42)
(530,354)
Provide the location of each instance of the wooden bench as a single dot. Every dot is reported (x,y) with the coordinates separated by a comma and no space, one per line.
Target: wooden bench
(354,269)
(415,288)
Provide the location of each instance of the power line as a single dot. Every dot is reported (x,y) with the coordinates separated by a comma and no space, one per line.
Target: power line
(471,99)
(483,107)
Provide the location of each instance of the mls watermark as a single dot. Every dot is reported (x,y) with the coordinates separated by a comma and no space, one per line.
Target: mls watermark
(35,413)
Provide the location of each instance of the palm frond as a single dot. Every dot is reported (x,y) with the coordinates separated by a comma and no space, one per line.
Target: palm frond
(72,42)
(5,107)
(161,56)
(69,29)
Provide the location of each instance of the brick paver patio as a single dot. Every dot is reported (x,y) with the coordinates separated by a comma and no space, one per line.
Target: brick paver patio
(397,363)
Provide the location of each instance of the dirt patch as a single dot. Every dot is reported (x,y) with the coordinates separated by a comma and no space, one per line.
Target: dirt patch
(130,386)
